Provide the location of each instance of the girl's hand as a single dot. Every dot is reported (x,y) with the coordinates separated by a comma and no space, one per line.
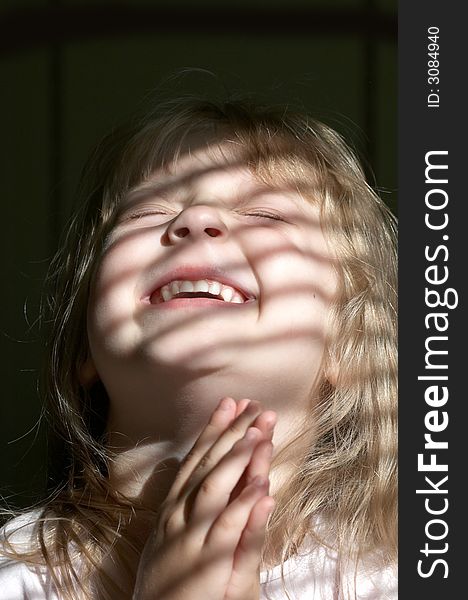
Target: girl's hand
(210,535)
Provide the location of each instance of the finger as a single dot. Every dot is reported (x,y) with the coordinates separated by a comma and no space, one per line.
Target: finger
(214,493)
(242,405)
(259,466)
(260,463)
(221,418)
(249,550)
(227,530)
(234,432)
(266,422)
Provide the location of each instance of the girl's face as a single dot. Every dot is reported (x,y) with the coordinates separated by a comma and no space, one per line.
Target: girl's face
(210,272)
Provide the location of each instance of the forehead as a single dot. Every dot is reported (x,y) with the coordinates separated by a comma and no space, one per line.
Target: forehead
(215,172)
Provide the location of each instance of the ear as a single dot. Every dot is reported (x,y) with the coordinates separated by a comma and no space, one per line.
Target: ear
(87,373)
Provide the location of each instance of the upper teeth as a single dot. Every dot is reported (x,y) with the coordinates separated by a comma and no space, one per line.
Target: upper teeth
(228,293)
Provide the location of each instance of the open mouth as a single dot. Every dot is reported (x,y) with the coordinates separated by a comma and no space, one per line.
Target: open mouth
(202,288)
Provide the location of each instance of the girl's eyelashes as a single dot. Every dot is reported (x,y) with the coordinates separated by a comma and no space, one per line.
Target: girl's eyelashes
(136,214)
(145,213)
(148,213)
(260,214)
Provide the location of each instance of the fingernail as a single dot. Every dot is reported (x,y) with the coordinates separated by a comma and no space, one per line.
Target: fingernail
(272,421)
(259,481)
(251,434)
(252,407)
(225,404)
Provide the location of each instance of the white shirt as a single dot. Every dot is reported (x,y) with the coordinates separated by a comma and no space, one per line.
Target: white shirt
(313,575)
(310,575)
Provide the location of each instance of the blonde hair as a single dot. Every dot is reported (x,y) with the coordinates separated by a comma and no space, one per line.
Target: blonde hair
(348,475)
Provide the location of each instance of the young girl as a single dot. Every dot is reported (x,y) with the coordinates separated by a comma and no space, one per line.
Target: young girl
(221,370)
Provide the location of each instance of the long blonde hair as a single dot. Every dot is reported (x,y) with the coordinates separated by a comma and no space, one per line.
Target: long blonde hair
(348,474)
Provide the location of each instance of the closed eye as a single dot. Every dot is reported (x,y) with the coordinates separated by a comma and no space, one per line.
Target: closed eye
(264,215)
(145,213)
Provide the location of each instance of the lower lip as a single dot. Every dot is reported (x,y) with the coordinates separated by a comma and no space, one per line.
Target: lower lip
(176,303)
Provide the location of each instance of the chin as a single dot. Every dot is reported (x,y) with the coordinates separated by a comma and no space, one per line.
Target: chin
(202,357)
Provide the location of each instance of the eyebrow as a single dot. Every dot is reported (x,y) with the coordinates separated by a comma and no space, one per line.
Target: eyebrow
(144,191)
(171,191)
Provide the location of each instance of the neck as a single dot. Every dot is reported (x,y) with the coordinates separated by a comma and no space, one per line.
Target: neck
(147,456)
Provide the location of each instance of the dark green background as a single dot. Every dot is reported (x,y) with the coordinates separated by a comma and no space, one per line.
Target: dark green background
(70,70)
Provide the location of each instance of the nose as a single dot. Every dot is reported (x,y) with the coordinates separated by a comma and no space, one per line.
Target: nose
(197,222)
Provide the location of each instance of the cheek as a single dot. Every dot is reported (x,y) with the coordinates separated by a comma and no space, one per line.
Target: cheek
(298,285)
(299,282)
(110,288)
(114,297)
(123,261)
(300,308)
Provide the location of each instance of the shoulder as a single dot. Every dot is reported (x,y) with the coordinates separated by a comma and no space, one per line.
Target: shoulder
(373,582)
(19,578)
(315,574)
(20,581)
